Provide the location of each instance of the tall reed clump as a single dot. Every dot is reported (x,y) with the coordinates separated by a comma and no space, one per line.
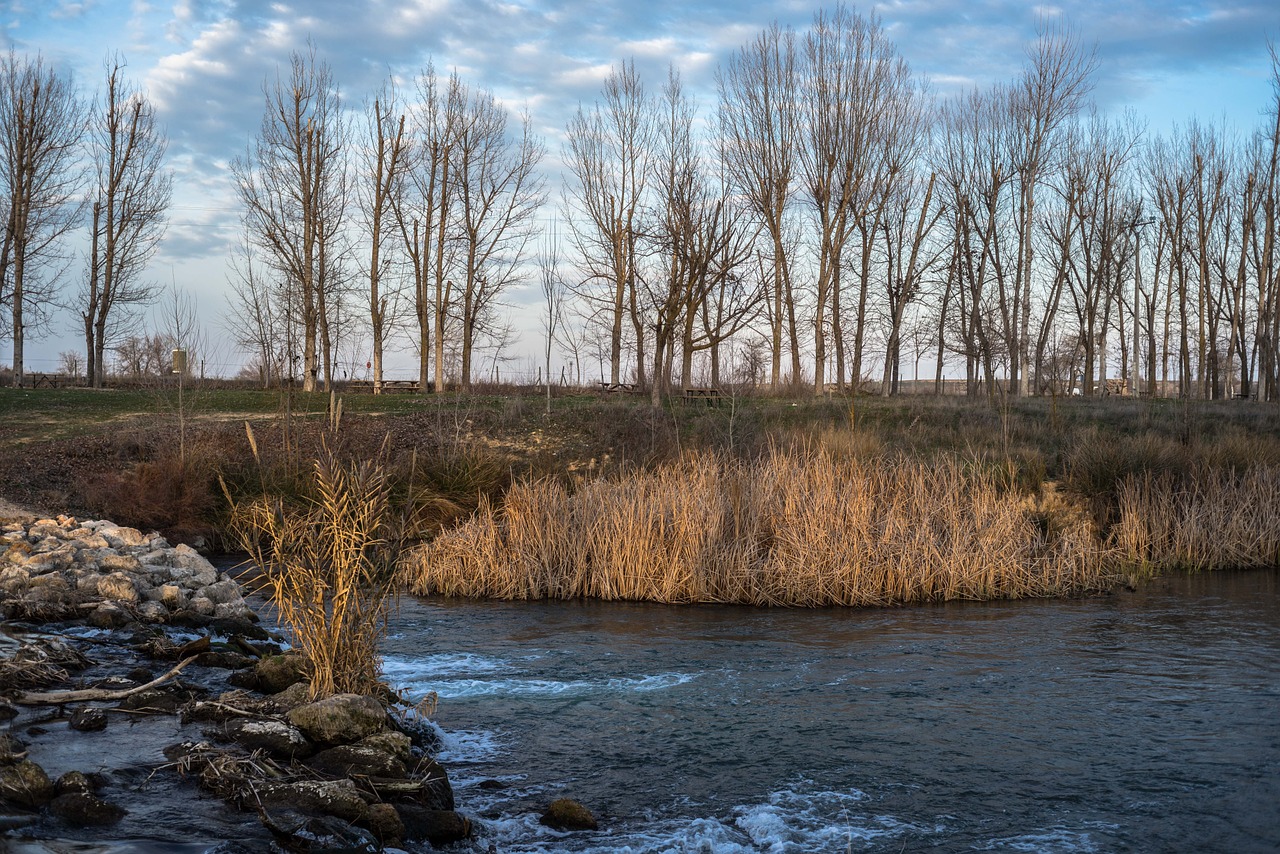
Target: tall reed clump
(789,529)
(329,567)
(1213,519)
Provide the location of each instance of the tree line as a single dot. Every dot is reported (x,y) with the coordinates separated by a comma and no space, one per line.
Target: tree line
(827,221)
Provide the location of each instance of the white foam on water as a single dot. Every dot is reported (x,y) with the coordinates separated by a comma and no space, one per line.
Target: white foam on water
(441,664)
(452,689)
(1053,840)
(463,747)
(788,822)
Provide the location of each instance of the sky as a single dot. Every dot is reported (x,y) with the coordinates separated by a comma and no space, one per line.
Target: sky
(204,63)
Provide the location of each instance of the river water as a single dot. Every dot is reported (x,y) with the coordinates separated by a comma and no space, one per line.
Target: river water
(1141,721)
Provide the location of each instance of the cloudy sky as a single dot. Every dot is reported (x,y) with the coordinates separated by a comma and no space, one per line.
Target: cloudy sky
(203,63)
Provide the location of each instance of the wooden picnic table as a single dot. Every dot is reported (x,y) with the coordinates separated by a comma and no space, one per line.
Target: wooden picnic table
(710,395)
(388,386)
(619,388)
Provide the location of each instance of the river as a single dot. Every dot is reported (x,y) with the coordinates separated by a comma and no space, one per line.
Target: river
(1141,721)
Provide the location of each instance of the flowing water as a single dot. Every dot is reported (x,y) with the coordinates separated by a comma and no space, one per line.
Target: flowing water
(1145,721)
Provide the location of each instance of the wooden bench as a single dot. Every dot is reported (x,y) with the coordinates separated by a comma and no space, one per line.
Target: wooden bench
(710,395)
(388,386)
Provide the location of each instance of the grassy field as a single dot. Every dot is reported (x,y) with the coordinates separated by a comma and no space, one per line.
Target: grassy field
(1138,485)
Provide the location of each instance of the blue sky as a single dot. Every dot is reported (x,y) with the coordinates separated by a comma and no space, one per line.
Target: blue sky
(204,62)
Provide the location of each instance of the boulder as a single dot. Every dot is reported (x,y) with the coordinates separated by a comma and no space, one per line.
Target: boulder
(109,615)
(25,783)
(437,792)
(357,760)
(392,743)
(84,809)
(71,782)
(119,537)
(297,694)
(298,831)
(88,719)
(222,592)
(118,586)
(275,737)
(568,814)
(116,562)
(277,672)
(153,612)
(385,824)
(172,596)
(439,827)
(338,798)
(340,719)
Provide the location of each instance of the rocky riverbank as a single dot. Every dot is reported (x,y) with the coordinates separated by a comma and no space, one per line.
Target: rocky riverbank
(133,670)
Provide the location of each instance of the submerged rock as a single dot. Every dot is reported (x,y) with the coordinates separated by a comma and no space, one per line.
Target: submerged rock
(439,827)
(85,809)
(568,814)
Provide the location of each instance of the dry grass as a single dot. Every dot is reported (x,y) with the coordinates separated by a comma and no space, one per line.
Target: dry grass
(790,529)
(1214,519)
(330,568)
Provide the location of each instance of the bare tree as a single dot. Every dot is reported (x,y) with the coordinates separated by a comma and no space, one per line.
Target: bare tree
(498,192)
(1051,90)
(607,152)
(131,197)
(861,122)
(292,184)
(384,162)
(260,318)
(425,215)
(41,127)
(759,92)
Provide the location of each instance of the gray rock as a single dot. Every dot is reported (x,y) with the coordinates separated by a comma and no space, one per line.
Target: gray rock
(276,737)
(116,562)
(338,798)
(202,606)
(222,592)
(118,586)
(118,536)
(152,612)
(340,719)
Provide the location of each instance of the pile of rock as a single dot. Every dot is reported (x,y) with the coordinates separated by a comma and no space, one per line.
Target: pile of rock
(341,769)
(60,569)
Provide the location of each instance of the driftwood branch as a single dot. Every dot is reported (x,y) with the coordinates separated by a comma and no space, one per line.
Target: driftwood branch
(93,695)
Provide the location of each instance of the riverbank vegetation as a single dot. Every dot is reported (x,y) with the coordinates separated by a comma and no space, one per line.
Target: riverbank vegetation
(760,499)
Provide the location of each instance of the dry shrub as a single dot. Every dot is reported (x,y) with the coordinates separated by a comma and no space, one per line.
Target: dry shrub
(329,568)
(1216,519)
(167,494)
(790,529)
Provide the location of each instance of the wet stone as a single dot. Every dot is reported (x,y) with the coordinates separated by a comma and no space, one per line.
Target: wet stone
(85,809)
(88,720)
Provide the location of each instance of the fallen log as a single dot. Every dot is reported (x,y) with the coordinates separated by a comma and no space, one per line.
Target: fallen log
(94,695)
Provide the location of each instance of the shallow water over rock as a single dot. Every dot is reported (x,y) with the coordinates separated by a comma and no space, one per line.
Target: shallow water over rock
(1139,721)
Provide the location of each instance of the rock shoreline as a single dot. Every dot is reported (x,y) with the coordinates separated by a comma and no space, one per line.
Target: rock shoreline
(348,772)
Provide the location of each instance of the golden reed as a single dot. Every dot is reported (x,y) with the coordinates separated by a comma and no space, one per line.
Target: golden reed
(795,529)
